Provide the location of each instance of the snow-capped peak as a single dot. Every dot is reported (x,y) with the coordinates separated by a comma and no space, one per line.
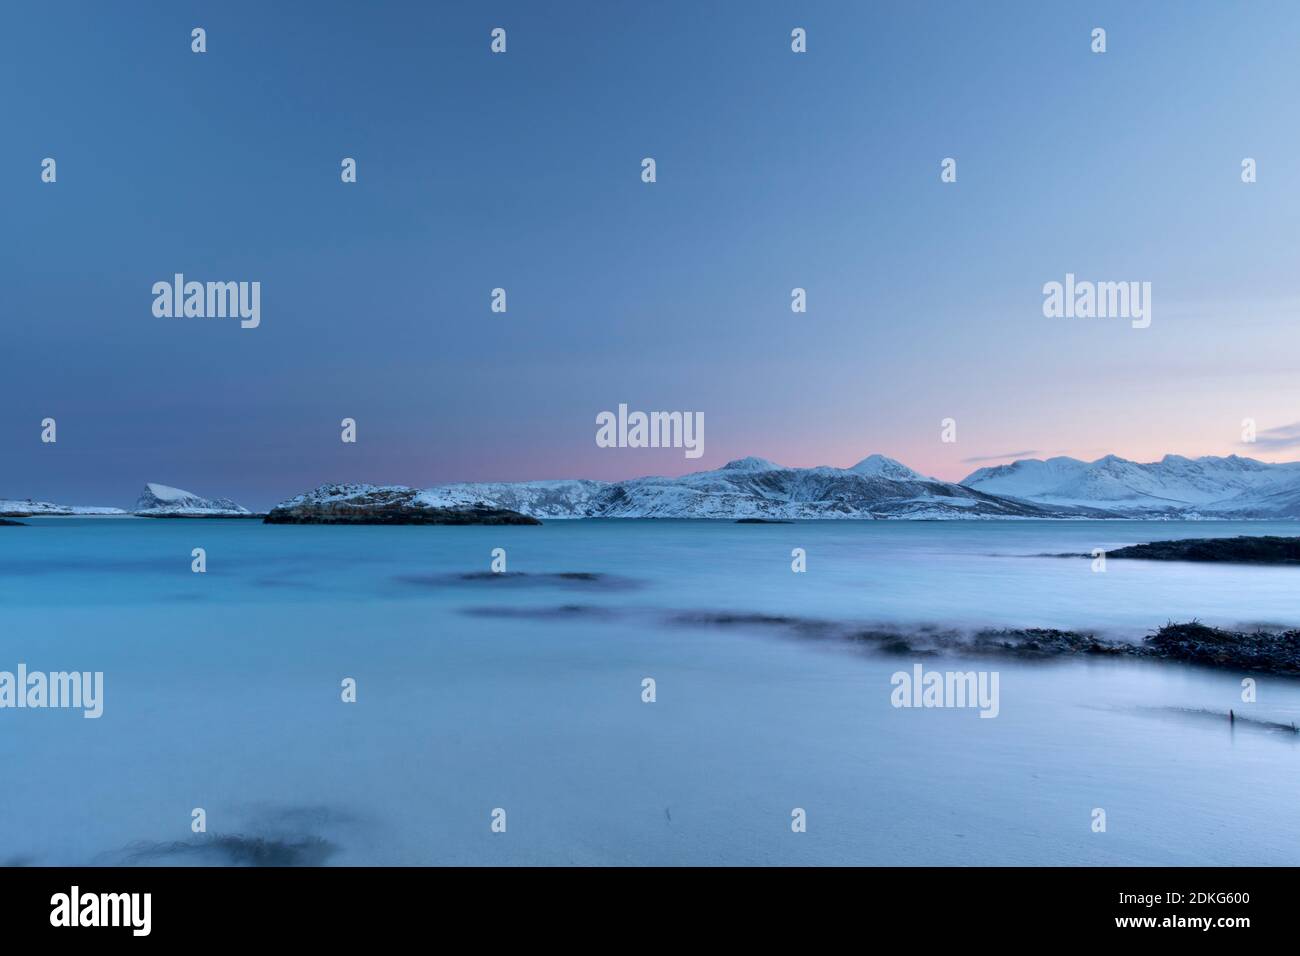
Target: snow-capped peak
(159,499)
(751,464)
(882,467)
(1173,485)
(167,493)
(752,487)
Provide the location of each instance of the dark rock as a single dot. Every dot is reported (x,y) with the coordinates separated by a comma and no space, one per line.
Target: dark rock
(234,850)
(1038,643)
(1271,652)
(11,524)
(1275,726)
(383,504)
(510,580)
(1244,549)
(1261,651)
(394,514)
(562,613)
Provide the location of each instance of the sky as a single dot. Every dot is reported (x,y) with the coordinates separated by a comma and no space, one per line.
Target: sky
(522,171)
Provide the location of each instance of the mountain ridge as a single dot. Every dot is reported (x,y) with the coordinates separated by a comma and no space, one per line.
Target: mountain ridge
(1229,486)
(875,488)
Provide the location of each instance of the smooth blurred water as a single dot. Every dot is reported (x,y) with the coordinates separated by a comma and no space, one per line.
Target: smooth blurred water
(223,692)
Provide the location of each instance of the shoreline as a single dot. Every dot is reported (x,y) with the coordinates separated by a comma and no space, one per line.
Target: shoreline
(1272,652)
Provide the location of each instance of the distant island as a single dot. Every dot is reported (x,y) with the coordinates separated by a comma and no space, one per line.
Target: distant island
(369,504)
(755,490)
(163,501)
(155,501)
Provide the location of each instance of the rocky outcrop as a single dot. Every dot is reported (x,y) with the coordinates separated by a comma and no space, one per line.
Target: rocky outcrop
(383,504)
(1271,652)
(1261,651)
(27,508)
(1244,549)
(163,501)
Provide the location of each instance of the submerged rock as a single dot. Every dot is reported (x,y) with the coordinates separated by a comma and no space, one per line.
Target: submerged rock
(12,524)
(511,580)
(1268,652)
(233,850)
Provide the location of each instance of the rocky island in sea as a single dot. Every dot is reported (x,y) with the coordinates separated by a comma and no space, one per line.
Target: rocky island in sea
(163,501)
(384,504)
(30,508)
(155,501)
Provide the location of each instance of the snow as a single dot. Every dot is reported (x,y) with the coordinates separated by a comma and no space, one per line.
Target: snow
(885,467)
(877,487)
(1241,486)
(156,499)
(343,492)
(159,499)
(751,464)
(165,493)
(29,507)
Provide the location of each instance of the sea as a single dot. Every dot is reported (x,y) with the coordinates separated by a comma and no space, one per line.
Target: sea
(629,693)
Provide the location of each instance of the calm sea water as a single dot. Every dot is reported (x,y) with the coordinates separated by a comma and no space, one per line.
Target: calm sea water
(524,693)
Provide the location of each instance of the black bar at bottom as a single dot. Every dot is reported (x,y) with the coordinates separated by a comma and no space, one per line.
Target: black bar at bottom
(332,905)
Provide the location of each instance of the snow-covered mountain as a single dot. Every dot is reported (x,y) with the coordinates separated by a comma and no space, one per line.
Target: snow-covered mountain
(879,487)
(1231,487)
(383,504)
(876,487)
(27,508)
(159,501)
(156,501)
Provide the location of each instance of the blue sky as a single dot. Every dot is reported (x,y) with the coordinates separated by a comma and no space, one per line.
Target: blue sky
(775,170)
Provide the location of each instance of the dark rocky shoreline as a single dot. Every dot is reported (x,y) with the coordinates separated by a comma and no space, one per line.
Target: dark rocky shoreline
(396,514)
(1244,549)
(1268,652)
